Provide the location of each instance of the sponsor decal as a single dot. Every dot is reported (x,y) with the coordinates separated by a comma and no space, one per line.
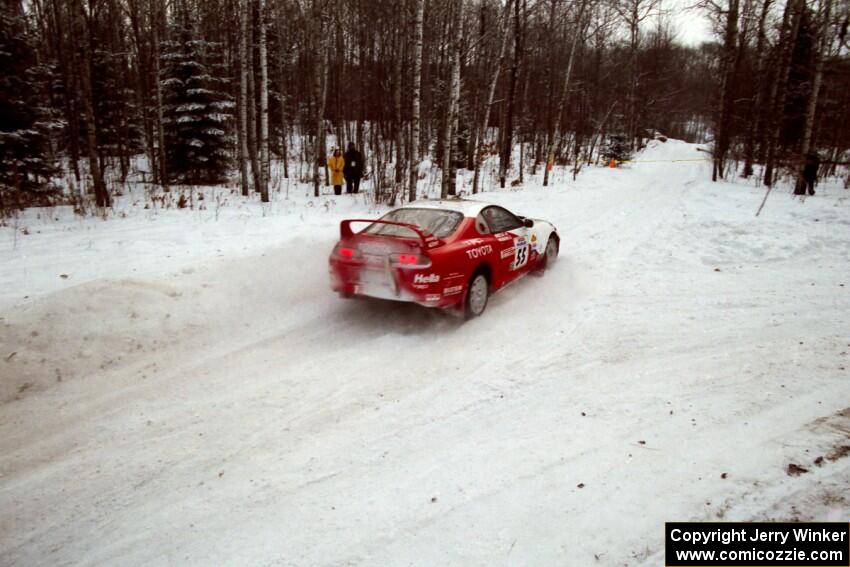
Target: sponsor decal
(423,279)
(533,238)
(503,236)
(452,290)
(507,252)
(480,251)
(432,297)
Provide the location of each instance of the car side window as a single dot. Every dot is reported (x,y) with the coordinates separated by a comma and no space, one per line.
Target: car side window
(500,220)
(481,224)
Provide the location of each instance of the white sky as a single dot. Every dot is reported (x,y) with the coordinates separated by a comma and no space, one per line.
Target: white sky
(691,24)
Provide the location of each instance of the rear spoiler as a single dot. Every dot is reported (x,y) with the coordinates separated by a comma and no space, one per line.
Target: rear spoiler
(428,239)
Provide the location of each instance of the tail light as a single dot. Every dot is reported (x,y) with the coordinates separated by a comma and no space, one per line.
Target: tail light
(346,252)
(410,260)
(407,259)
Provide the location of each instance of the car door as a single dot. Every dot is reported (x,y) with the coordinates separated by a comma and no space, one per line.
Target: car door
(512,237)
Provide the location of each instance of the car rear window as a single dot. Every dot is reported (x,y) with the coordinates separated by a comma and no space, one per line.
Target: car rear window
(439,222)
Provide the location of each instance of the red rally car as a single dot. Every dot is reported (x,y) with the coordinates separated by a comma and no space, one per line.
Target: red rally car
(445,254)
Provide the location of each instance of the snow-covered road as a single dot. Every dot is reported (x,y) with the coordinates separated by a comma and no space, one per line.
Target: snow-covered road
(232,411)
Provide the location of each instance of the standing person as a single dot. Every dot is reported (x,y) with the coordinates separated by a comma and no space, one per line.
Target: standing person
(810,172)
(353,169)
(336,163)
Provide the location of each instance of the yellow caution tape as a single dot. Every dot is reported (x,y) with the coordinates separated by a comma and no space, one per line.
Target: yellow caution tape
(663,160)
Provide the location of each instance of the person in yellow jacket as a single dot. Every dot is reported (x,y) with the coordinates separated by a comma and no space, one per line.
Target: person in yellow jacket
(336,163)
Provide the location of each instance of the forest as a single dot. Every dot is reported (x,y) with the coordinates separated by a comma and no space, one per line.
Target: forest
(208,92)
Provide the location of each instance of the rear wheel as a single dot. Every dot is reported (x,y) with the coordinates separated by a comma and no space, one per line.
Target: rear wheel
(477,295)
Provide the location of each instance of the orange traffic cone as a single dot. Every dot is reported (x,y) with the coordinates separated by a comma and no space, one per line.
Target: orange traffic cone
(613,164)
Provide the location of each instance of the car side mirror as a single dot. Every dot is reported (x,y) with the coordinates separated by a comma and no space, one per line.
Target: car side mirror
(528,222)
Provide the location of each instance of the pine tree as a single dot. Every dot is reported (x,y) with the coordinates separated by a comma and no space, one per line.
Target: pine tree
(26,163)
(197,110)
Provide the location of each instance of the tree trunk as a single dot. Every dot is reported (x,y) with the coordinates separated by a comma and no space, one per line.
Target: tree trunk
(550,123)
(321,80)
(779,89)
(756,124)
(281,68)
(397,87)
(417,95)
(65,66)
(634,73)
(450,132)
(101,194)
(817,80)
(508,138)
(253,130)
(724,111)
(491,93)
(522,130)
(143,88)
(243,97)
(264,108)
(159,13)
(563,102)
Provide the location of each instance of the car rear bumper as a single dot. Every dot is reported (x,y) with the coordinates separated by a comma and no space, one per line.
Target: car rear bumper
(389,283)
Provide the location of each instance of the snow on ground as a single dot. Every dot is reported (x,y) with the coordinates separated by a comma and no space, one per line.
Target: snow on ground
(192,394)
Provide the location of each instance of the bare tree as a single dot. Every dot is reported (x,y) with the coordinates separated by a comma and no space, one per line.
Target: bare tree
(779,87)
(264,106)
(415,132)
(508,137)
(565,89)
(320,89)
(450,132)
(158,19)
(83,36)
(730,68)
(824,40)
(634,13)
(243,95)
(756,124)
(281,71)
(397,116)
(253,126)
(505,28)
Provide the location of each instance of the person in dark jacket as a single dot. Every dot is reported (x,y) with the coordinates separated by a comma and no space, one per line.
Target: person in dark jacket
(353,170)
(810,172)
